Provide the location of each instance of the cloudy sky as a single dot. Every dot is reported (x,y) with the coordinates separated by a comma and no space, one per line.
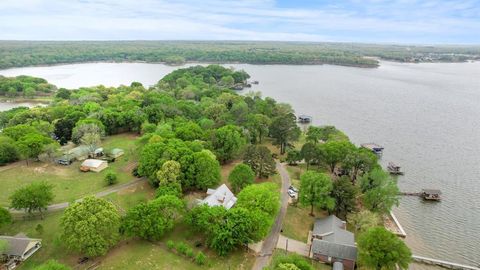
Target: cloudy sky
(386,21)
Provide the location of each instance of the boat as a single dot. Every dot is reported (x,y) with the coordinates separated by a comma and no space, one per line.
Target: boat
(392,168)
(305,119)
(375,148)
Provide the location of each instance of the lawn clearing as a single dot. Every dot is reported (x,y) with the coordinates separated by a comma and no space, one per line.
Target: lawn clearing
(68,181)
(298,222)
(141,254)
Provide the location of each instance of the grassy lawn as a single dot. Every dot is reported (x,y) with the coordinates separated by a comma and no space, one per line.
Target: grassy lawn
(316,265)
(140,254)
(68,181)
(298,222)
(52,247)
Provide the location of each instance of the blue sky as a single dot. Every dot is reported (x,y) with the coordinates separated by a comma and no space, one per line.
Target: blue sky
(384,21)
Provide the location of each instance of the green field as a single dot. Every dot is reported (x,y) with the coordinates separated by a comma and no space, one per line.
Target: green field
(69,183)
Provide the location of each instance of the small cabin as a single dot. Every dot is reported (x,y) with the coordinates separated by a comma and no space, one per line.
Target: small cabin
(431,194)
(305,119)
(375,148)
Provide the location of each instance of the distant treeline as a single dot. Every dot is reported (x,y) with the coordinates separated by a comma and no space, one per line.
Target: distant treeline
(29,53)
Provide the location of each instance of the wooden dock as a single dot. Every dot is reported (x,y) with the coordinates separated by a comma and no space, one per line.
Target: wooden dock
(445,264)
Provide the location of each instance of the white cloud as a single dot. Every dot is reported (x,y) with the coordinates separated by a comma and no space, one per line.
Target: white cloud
(347,20)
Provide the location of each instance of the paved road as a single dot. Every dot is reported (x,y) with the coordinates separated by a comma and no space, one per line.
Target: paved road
(270,242)
(60,206)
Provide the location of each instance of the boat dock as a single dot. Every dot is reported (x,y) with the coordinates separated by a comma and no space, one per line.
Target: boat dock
(445,264)
(426,194)
(375,148)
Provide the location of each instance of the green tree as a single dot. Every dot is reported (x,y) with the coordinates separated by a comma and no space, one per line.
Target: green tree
(335,152)
(91,226)
(32,197)
(293,156)
(260,159)
(227,229)
(344,193)
(315,190)
(380,249)
(284,130)
(169,173)
(359,161)
(227,142)
(152,219)
(5,217)
(8,151)
(263,197)
(364,220)
(309,153)
(91,141)
(380,191)
(291,262)
(206,169)
(83,127)
(241,176)
(52,265)
(258,125)
(32,145)
(317,134)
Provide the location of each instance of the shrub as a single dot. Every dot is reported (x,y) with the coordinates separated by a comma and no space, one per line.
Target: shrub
(189,253)
(170,244)
(182,248)
(111,178)
(200,259)
(39,228)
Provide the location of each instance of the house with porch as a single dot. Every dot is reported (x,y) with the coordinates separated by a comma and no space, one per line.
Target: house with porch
(222,196)
(19,248)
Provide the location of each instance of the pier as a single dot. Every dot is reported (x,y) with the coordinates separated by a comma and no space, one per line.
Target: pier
(426,194)
(445,264)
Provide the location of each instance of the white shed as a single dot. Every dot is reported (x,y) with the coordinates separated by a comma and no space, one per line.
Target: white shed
(94,165)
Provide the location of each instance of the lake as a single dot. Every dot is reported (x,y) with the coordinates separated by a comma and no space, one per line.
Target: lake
(427,116)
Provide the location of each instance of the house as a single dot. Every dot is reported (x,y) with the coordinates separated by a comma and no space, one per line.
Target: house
(116,152)
(79,153)
(331,242)
(222,196)
(19,248)
(94,165)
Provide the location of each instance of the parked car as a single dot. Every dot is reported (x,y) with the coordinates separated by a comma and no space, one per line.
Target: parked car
(292,193)
(293,189)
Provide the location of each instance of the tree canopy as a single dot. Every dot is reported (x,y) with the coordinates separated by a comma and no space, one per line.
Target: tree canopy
(315,190)
(33,197)
(379,249)
(241,176)
(91,226)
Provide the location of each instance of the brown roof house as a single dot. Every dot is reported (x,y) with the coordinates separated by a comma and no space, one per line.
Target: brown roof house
(331,242)
(19,248)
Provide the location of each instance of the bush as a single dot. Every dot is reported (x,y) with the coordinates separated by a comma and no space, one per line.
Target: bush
(39,229)
(189,253)
(170,244)
(182,248)
(111,178)
(5,217)
(200,259)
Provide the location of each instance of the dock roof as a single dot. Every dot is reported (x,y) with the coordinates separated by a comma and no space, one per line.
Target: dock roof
(431,191)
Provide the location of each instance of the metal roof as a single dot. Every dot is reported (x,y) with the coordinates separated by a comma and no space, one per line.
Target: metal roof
(334,249)
(18,245)
(220,196)
(93,163)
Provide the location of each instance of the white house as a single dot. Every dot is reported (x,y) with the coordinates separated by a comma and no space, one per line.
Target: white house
(20,247)
(222,196)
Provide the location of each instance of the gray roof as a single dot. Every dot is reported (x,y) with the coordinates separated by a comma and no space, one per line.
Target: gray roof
(327,225)
(336,241)
(334,249)
(431,191)
(18,245)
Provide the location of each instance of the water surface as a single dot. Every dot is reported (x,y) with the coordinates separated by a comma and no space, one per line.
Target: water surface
(427,116)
